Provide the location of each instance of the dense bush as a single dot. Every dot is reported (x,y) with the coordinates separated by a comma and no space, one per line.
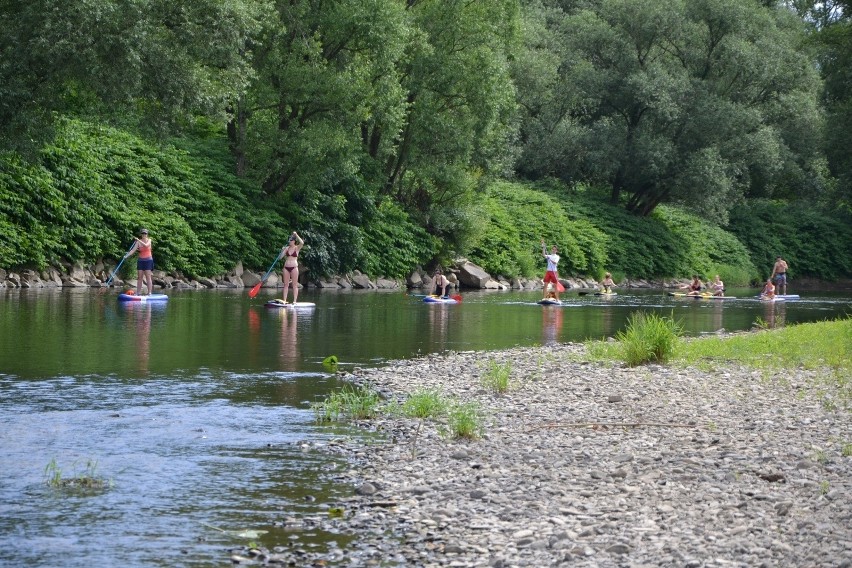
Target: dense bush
(814,243)
(519,217)
(594,236)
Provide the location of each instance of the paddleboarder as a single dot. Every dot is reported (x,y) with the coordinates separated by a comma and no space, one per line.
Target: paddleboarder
(718,286)
(608,283)
(779,275)
(551,276)
(440,283)
(290,274)
(145,262)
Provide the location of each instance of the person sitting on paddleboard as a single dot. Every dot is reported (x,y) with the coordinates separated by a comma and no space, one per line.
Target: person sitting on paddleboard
(440,283)
(607,283)
(768,290)
(145,262)
(718,286)
(551,275)
(290,274)
(694,287)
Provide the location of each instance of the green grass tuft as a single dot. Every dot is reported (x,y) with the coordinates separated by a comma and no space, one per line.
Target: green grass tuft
(648,338)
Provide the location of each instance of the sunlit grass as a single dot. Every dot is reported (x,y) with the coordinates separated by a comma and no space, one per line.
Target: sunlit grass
(809,346)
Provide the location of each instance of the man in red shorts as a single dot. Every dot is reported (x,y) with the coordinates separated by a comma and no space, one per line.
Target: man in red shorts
(551,276)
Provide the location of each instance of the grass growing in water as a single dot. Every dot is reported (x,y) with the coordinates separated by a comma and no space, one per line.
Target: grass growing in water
(87,479)
(648,338)
(349,402)
(496,377)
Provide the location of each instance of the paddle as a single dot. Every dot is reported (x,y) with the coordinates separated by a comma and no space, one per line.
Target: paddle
(114,272)
(457,298)
(253,292)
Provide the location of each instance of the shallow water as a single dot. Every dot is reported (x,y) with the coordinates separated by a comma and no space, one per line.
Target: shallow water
(198,411)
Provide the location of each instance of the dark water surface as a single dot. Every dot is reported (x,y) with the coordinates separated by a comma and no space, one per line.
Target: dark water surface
(198,411)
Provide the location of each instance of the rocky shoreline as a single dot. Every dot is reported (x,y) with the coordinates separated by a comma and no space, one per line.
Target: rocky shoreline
(586,464)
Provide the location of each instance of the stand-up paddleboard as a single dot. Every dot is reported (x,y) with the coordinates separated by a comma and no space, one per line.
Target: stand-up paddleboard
(145,298)
(440,300)
(785,296)
(606,294)
(701,296)
(279,303)
(550,302)
(775,299)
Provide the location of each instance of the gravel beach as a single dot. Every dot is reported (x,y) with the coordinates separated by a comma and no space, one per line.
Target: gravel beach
(587,464)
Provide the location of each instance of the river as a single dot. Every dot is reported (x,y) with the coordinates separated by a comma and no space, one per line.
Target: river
(197,411)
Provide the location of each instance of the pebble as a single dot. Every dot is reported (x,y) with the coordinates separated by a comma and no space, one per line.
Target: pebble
(705,468)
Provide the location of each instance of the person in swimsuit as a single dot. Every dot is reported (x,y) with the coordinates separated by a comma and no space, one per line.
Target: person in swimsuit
(551,276)
(694,287)
(779,275)
(145,263)
(768,290)
(440,283)
(290,274)
(718,286)
(608,283)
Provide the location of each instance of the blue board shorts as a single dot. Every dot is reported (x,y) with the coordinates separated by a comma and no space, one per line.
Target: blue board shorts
(781,278)
(145,264)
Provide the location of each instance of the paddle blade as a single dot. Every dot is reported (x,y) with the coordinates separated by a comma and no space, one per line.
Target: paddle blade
(560,287)
(253,292)
(457,298)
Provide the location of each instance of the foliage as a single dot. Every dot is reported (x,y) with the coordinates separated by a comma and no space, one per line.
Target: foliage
(815,243)
(383,234)
(519,218)
(496,377)
(594,236)
(425,403)
(648,338)
(142,62)
(693,102)
(88,479)
(464,420)
(91,192)
(355,403)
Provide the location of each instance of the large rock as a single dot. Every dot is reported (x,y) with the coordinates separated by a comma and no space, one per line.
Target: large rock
(250,279)
(414,280)
(386,284)
(362,281)
(473,276)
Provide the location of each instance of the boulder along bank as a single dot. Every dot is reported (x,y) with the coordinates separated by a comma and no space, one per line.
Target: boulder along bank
(588,464)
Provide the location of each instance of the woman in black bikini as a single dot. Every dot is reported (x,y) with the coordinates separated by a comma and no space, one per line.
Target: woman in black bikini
(290,274)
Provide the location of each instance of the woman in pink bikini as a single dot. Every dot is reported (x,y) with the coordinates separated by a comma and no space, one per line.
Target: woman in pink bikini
(290,274)
(145,263)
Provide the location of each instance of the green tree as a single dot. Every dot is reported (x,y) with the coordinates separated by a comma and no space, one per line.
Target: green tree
(116,59)
(694,101)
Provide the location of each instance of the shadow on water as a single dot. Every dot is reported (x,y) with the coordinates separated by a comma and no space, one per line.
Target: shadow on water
(198,409)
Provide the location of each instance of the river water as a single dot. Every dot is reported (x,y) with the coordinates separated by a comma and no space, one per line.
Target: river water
(197,411)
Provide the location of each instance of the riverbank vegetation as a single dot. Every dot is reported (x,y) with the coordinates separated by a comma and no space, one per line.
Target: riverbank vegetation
(651,139)
(825,347)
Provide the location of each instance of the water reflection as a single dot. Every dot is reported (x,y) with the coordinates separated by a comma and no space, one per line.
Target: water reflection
(551,322)
(775,314)
(137,316)
(438,324)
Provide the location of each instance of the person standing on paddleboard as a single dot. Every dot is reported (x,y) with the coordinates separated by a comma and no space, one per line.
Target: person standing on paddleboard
(290,274)
(145,262)
(551,276)
(779,275)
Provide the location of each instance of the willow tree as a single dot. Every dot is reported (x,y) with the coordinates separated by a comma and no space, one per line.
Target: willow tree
(357,101)
(119,60)
(696,101)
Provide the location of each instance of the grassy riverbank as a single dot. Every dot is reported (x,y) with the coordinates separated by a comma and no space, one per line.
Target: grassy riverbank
(823,345)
